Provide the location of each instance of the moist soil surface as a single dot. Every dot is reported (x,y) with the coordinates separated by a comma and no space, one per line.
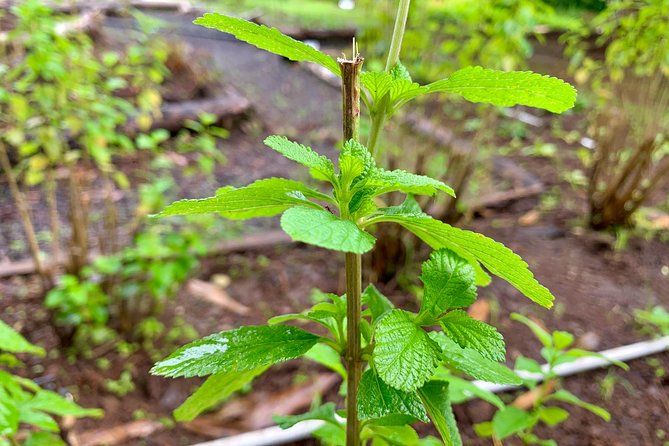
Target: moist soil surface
(596,286)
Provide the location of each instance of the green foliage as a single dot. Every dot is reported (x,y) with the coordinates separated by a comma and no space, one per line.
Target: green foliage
(386,405)
(506,89)
(24,403)
(511,421)
(133,285)
(321,228)
(217,388)
(269,39)
(435,397)
(654,320)
(240,350)
(402,357)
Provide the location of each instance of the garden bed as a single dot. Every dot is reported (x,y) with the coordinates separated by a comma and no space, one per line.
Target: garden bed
(596,289)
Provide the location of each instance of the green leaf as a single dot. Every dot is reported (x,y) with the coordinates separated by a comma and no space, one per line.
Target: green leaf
(404,355)
(506,89)
(51,402)
(409,183)
(471,362)
(434,395)
(326,356)
(38,419)
(321,228)
(496,257)
(562,339)
(552,416)
(319,166)
(326,412)
(528,365)
(11,341)
(268,39)
(44,439)
(377,303)
(9,413)
(450,282)
(477,335)
(461,390)
(385,405)
(216,389)
(239,350)
(511,420)
(393,436)
(568,397)
(263,198)
(378,84)
(544,337)
(355,163)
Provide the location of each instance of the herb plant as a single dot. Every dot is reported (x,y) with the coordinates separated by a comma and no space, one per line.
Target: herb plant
(389,355)
(24,403)
(520,418)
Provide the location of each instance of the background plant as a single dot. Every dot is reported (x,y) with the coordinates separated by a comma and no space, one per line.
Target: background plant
(532,408)
(630,121)
(393,348)
(26,410)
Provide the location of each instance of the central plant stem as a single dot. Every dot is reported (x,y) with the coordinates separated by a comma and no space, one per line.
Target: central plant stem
(350,70)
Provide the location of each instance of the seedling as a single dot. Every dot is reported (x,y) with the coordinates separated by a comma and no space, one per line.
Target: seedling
(526,412)
(388,356)
(24,403)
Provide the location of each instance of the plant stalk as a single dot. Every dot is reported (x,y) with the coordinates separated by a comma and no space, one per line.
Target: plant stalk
(379,118)
(26,219)
(351,121)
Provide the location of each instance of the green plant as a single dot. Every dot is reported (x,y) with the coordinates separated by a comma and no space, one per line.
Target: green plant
(520,418)
(389,355)
(24,404)
(653,321)
(629,122)
(132,286)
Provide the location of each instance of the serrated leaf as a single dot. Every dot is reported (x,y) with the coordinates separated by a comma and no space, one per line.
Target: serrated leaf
(477,335)
(378,84)
(355,163)
(385,405)
(450,282)
(496,257)
(11,341)
(409,183)
(568,397)
(216,389)
(326,412)
(404,355)
(506,89)
(263,198)
(239,350)
(435,397)
(377,303)
(38,419)
(268,39)
(511,420)
(319,166)
(471,362)
(321,228)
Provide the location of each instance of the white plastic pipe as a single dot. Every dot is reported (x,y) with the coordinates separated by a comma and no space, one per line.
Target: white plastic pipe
(275,435)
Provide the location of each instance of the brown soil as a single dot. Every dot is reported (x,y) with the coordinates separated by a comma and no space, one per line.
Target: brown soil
(596,287)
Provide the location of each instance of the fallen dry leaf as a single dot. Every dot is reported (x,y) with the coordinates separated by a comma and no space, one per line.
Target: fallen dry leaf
(115,435)
(215,295)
